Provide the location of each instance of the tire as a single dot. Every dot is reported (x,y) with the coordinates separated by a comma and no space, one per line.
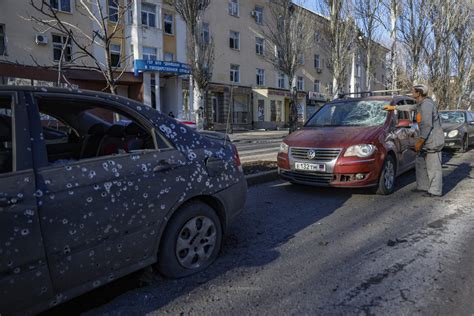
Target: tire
(191,241)
(387,177)
(465,144)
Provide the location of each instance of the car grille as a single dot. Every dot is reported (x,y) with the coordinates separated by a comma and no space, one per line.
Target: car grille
(312,177)
(322,154)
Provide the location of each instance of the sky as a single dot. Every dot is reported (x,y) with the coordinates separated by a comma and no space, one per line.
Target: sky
(313,5)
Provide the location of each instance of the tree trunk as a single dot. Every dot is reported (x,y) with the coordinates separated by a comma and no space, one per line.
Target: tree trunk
(393,37)
(198,108)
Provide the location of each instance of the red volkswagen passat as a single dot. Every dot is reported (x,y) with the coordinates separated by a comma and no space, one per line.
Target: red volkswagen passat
(351,142)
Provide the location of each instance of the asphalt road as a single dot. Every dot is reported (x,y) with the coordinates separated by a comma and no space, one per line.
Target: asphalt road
(304,250)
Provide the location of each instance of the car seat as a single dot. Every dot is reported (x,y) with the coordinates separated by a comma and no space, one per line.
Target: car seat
(113,142)
(134,137)
(90,146)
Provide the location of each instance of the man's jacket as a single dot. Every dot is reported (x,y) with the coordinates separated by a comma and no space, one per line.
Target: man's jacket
(429,123)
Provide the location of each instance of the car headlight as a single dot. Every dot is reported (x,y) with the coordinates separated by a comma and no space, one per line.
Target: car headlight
(453,133)
(284,148)
(362,151)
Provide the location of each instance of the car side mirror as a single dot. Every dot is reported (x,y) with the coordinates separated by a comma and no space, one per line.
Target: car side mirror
(471,123)
(404,124)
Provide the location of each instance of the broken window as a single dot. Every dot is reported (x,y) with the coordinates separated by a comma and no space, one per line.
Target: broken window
(350,113)
(6,137)
(75,130)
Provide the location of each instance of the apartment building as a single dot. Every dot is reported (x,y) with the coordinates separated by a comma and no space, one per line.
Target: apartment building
(248,92)
(148,50)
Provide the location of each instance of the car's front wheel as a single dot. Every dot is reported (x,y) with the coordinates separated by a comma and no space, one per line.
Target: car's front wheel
(386,183)
(191,241)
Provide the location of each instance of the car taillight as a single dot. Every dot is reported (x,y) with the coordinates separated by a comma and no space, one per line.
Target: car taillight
(236,156)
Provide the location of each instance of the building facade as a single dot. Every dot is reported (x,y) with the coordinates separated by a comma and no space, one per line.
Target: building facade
(147,31)
(246,91)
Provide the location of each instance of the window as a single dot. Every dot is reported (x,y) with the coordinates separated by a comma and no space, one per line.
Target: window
(91,131)
(301,59)
(234,7)
(148,14)
(6,137)
(281,81)
(168,24)
(260,77)
(149,53)
(317,37)
(205,33)
(58,43)
(259,45)
(61,5)
(234,40)
(113,10)
(115,55)
(3,41)
(330,88)
(258,13)
(300,83)
(317,86)
(317,62)
(169,57)
(273,111)
(358,70)
(235,73)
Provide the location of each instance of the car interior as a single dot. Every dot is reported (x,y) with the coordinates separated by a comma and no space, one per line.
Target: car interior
(75,130)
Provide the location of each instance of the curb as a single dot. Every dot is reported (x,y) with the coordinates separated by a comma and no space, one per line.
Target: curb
(262,177)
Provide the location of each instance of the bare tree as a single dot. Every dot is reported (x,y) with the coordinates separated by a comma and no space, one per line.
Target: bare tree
(289,34)
(368,14)
(462,54)
(106,29)
(438,46)
(414,30)
(339,37)
(200,49)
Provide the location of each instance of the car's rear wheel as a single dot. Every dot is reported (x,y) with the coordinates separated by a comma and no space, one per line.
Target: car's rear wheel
(465,144)
(386,183)
(191,241)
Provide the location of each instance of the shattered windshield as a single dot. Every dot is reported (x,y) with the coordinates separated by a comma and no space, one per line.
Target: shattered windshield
(452,117)
(350,113)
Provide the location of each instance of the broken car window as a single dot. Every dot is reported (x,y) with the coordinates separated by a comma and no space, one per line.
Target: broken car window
(76,130)
(350,113)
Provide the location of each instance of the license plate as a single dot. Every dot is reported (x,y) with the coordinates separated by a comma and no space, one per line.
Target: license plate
(310,166)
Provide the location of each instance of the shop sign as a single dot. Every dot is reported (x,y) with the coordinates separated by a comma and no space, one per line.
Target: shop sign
(141,65)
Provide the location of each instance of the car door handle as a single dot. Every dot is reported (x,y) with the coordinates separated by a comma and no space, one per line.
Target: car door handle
(6,201)
(163,165)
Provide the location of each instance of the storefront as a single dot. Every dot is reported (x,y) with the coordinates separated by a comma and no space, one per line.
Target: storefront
(225,106)
(271,108)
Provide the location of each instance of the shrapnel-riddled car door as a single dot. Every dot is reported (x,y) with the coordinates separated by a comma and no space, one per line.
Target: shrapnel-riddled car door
(24,276)
(101,215)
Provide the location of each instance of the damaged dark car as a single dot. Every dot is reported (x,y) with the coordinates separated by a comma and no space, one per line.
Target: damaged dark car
(95,186)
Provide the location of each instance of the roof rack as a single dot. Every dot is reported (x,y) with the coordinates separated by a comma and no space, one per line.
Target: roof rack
(342,95)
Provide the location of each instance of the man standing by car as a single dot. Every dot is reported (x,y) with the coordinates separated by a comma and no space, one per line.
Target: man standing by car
(429,173)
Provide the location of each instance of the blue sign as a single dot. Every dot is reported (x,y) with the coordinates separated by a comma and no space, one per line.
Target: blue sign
(140,65)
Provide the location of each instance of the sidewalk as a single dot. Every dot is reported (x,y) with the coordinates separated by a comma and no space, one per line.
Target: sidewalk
(256,135)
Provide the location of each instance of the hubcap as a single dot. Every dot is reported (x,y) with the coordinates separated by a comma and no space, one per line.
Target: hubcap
(196,242)
(389,175)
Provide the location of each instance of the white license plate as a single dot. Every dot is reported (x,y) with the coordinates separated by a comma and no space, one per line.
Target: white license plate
(310,166)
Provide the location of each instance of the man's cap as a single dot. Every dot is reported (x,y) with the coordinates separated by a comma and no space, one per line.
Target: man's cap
(421,87)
